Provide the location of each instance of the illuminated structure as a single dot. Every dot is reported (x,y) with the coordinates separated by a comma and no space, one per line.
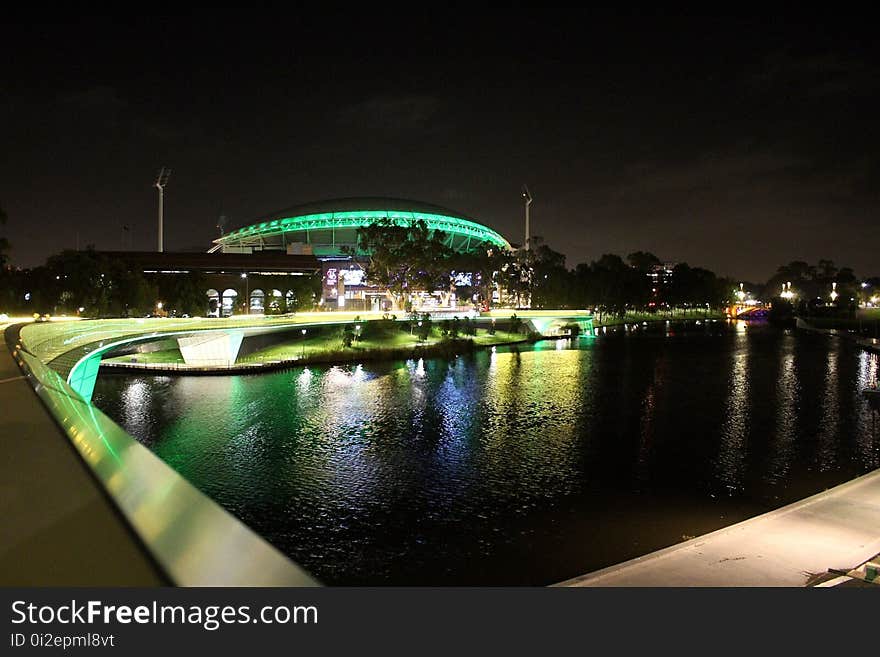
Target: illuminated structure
(328,231)
(329,228)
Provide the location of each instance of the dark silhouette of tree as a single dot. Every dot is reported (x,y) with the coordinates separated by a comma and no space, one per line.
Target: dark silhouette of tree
(643,261)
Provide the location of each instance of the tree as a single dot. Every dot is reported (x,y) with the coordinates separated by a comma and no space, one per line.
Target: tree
(425,327)
(347,335)
(605,284)
(643,261)
(405,259)
(550,280)
(696,287)
(183,294)
(516,324)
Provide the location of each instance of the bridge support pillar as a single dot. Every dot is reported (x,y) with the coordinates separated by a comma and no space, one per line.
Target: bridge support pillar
(211,349)
(83,377)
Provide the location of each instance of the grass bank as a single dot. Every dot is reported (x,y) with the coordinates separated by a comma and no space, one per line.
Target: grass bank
(325,345)
(659,316)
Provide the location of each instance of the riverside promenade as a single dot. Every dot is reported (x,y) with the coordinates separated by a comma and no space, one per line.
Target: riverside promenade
(829,539)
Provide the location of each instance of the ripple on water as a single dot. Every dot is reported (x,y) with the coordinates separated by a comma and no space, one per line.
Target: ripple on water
(512,468)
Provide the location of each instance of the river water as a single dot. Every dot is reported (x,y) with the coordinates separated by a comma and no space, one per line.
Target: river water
(514,467)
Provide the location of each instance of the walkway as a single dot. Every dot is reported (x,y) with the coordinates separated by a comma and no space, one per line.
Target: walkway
(59,527)
(834,532)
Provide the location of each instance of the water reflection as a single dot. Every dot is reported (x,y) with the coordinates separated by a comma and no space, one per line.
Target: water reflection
(827,443)
(734,438)
(513,465)
(787,396)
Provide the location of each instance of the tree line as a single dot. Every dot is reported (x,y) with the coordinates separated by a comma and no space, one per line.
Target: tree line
(411,258)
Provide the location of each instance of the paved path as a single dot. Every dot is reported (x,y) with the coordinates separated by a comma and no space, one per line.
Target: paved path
(59,528)
(837,530)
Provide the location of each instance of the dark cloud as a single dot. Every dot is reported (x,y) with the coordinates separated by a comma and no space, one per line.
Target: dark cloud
(815,75)
(398,115)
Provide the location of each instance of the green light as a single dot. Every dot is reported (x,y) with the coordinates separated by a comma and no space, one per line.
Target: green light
(364,218)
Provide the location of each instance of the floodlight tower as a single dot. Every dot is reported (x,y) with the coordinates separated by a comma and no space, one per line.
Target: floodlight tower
(161,181)
(528,201)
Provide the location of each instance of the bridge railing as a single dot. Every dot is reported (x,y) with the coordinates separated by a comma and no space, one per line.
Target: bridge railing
(193,540)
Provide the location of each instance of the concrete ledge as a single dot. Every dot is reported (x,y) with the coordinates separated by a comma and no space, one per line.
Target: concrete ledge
(837,529)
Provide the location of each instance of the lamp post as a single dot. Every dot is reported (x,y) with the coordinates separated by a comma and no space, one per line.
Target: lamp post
(357,331)
(247,294)
(304,343)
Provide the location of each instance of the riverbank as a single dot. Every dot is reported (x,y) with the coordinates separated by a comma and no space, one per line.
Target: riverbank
(659,316)
(372,341)
(867,343)
(325,349)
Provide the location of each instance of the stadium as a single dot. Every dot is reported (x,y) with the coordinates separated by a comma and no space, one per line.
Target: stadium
(328,231)
(329,228)
(262,267)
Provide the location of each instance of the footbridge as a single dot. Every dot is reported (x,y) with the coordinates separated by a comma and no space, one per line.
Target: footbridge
(74,350)
(548,323)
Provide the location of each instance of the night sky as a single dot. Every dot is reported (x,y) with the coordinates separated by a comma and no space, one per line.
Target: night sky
(730,143)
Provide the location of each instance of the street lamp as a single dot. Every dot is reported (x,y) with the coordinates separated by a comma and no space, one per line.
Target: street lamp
(357,330)
(740,293)
(304,343)
(786,291)
(834,293)
(247,294)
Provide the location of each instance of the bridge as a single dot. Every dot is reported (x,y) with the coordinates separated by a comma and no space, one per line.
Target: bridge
(738,311)
(74,350)
(155,527)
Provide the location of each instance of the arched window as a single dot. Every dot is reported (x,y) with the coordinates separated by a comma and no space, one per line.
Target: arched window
(213,302)
(257,301)
(275,301)
(227,302)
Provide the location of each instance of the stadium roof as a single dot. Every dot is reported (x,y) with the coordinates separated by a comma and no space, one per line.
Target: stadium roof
(360,212)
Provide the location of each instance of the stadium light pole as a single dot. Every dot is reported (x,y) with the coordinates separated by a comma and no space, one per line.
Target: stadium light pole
(161,181)
(528,201)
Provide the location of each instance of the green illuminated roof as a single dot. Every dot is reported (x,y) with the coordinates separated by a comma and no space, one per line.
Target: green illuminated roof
(361,212)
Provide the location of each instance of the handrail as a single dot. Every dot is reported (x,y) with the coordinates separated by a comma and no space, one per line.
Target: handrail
(194,540)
